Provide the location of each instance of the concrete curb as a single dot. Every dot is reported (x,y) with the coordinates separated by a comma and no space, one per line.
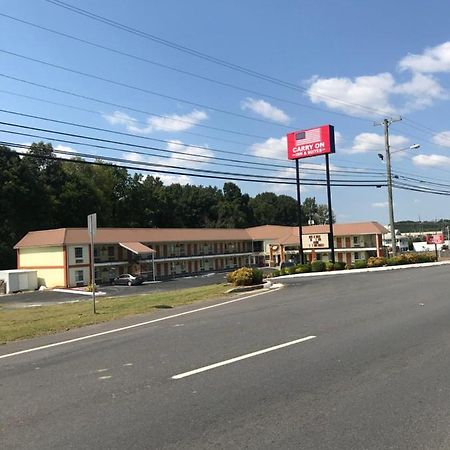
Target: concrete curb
(354,271)
(266,285)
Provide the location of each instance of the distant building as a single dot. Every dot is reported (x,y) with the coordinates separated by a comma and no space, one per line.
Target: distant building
(62,256)
(401,241)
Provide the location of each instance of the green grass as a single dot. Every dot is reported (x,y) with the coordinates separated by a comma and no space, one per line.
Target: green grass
(31,322)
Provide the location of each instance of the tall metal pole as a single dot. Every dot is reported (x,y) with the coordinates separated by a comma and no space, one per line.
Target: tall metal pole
(299,213)
(93,271)
(330,209)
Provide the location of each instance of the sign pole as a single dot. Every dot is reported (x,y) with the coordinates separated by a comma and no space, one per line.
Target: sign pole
(299,213)
(330,209)
(92,228)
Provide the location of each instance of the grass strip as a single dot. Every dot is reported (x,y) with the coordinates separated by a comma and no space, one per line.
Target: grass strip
(31,322)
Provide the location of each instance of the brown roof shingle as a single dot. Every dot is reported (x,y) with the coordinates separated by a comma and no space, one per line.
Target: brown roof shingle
(275,233)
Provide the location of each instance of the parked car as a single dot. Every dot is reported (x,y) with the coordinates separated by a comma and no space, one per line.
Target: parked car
(128,279)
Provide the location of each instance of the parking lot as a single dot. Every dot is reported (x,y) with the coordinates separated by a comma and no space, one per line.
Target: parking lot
(51,297)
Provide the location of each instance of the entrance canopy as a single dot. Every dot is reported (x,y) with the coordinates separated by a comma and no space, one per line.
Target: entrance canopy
(137,248)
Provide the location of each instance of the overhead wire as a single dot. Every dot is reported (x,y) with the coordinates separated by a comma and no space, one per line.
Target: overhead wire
(143,90)
(189,172)
(204,56)
(178,70)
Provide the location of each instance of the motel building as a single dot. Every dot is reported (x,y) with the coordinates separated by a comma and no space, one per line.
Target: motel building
(62,256)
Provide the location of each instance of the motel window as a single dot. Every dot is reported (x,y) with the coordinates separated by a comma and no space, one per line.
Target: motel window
(356,255)
(79,276)
(78,254)
(355,240)
(111,251)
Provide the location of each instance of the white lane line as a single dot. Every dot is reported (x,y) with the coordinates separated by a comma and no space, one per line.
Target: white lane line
(240,358)
(129,327)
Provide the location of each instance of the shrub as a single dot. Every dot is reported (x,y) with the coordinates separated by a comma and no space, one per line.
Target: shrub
(329,266)
(349,266)
(276,273)
(396,260)
(339,265)
(360,264)
(91,287)
(230,276)
(257,276)
(290,270)
(245,276)
(376,261)
(317,266)
(303,268)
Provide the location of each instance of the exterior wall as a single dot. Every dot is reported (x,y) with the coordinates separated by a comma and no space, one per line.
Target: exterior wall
(49,263)
(72,261)
(34,257)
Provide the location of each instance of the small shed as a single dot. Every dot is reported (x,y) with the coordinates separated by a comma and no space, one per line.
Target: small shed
(17,280)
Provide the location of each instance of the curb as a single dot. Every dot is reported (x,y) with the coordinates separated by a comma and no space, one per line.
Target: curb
(365,270)
(266,285)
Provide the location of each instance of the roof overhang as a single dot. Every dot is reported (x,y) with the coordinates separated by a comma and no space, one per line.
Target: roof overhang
(137,248)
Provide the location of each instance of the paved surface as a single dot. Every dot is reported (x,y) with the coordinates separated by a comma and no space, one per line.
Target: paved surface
(375,377)
(49,297)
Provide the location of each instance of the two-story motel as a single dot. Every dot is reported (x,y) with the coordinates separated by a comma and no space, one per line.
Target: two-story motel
(62,256)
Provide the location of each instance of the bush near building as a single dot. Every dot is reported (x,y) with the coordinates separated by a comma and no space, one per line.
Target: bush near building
(379,261)
(245,276)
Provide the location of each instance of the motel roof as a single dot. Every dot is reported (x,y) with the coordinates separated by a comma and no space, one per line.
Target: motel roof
(276,233)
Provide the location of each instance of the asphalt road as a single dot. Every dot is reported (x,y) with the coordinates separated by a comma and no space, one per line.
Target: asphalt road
(376,376)
(51,297)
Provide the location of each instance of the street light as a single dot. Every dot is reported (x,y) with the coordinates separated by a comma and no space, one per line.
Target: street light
(386,124)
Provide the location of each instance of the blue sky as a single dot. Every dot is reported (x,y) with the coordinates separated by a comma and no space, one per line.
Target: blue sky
(348,63)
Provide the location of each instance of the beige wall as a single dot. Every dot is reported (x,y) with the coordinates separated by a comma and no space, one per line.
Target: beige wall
(51,278)
(34,257)
(48,261)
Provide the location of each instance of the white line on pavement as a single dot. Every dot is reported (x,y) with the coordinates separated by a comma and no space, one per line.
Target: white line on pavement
(240,358)
(129,327)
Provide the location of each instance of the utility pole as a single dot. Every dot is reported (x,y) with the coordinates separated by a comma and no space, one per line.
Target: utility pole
(386,123)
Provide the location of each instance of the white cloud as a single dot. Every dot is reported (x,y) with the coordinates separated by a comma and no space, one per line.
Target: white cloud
(432,60)
(380,205)
(366,142)
(371,92)
(173,122)
(431,160)
(371,96)
(266,110)
(421,91)
(442,138)
(185,159)
(272,147)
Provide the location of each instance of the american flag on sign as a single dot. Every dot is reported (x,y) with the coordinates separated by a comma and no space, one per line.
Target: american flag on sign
(308,136)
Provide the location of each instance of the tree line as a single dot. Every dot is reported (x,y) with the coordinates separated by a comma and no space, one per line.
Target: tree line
(41,191)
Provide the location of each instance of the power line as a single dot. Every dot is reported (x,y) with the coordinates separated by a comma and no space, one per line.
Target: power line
(204,56)
(178,70)
(131,119)
(143,90)
(17,113)
(139,152)
(116,105)
(146,169)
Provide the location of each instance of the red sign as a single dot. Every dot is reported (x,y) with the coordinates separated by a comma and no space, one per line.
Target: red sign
(435,238)
(312,142)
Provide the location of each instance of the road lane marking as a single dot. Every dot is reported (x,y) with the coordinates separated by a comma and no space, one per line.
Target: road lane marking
(240,358)
(129,327)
